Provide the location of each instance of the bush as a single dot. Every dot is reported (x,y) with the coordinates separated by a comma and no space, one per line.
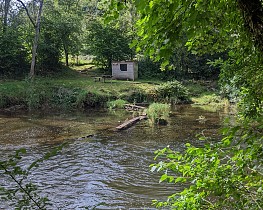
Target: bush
(172,91)
(148,69)
(46,95)
(158,113)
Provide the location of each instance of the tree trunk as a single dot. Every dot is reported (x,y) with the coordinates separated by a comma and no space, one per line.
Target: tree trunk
(35,44)
(66,53)
(109,64)
(6,10)
(253,16)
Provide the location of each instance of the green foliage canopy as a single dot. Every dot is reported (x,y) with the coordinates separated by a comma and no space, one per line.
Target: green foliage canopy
(107,43)
(223,175)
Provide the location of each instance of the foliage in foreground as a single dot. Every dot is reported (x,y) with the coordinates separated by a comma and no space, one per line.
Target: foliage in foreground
(23,194)
(223,175)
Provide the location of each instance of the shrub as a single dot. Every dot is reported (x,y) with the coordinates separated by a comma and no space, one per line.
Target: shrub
(158,113)
(172,91)
(95,100)
(65,98)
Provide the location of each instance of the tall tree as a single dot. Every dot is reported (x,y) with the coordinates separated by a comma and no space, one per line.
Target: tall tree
(252,12)
(62,23)
(36,25)
(35,44)
(13,52)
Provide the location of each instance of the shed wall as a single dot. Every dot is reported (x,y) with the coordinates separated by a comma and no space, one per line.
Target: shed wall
(131,73)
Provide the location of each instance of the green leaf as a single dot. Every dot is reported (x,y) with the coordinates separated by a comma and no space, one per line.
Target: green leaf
(187,144)
(180,179)
(163,178)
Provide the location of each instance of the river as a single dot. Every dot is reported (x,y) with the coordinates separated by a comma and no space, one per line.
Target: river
(109,169)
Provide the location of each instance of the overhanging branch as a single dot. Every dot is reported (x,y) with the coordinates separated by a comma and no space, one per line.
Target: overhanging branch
(27,12)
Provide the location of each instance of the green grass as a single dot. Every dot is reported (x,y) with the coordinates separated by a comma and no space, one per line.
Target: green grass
(69,89)
(158,112)
(205,95)
(210,101)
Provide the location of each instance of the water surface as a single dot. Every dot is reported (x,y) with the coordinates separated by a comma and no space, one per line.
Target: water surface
(109,169)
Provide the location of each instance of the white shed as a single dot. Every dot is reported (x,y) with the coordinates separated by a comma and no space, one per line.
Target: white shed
(125,70)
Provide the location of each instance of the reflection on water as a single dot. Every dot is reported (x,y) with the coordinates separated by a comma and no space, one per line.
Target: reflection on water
(109,167)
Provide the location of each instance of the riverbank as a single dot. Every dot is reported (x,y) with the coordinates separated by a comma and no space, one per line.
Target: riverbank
(80,91)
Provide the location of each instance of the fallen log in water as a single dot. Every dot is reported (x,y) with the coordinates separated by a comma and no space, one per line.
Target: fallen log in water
(131,122)
(133,107)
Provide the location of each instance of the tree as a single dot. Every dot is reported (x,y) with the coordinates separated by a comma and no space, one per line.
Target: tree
(219,175)
(13,52)
(36,25)
(107,44)
(50,45)
(5,14)
(34,49)
(252,12)
(61,32)
(69,26)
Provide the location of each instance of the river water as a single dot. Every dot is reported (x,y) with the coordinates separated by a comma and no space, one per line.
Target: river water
(108,169)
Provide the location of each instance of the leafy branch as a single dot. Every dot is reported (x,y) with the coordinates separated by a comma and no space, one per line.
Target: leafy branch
(218,175)
(9,173)
(28,196)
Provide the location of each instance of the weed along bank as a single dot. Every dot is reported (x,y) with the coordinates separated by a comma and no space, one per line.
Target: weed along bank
(125,70)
